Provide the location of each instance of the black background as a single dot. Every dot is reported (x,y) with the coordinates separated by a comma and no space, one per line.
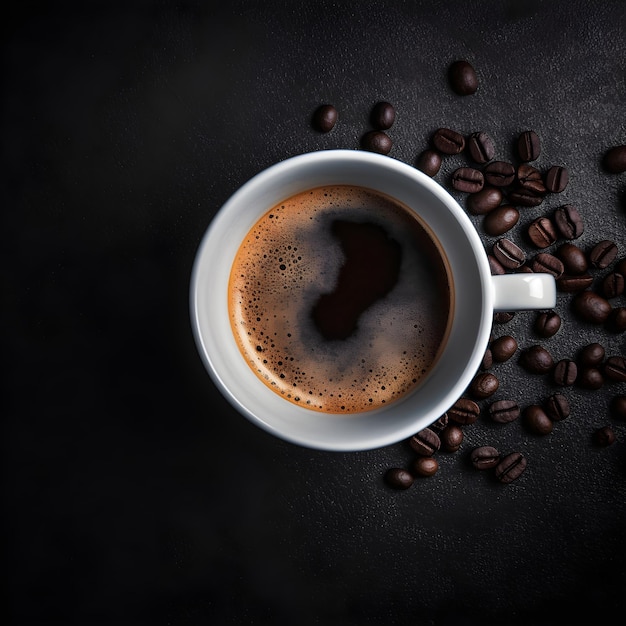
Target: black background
(132,492)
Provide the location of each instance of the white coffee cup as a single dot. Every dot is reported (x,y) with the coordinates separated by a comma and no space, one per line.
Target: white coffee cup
(477,294)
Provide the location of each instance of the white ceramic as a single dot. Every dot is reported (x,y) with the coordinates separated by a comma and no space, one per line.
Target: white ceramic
(477,296)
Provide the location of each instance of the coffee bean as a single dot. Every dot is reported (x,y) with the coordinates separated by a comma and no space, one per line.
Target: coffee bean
(573,258)
(426,442)
(485,457)
(495,266)
(618,407)
(487,361)
(503,317)
(604,436)
(615,368)
(376,141)
(452,438)
(530,178)
(568,222)
(603,254)
(590,378)
(548,263)
(510,255)
(542,232)
(503,348)
(383,116)
(500,220)
(429,162)
(537,421)
(528,146)
(591,355)
(573,284)
(484,385)
(556,179)
(398,478)
(524,197)
(536,360)
(616,321)
(484,201)
(468,179)
(325,117)
(448,141)
(463,79)
(565,373)
(613,285)
(499,173)
(620,267)
(464,411)
(481,147)
(425,466)
(557,407)
(615,159)
(511,467)
(440,424)
(547,323)
(591,307)
(504,411)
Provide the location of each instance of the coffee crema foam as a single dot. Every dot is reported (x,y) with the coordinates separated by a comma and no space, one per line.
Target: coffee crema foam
(292,260)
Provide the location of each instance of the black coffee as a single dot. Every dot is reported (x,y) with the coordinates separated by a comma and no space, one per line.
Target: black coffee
(340,299)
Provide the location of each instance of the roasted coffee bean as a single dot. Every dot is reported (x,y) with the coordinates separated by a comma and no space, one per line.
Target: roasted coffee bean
(429,162)
(487,361)
(537,420)
(615,368)
(495,266)
(556,179)
(440,424)
(590,378)
(524,197)
(484,201)
(398,478)
(448,141)
(615,159)
(504,411)
(499,173)
(618,407)
(426,442)
(530,178)
(464,411)
(613,285)
(503,317)
(528,146)
(451,438)
(524,269)
(376,141)
(603,254)
(425,466)
(591,307)
(573,258)
(620,267)
(573,284)
(536,360)
(548,263)
(325,117)
(591,355)
(500,220)
(463,79)
(468,179)
(511,467)
(484,385)
(604,436)
(481,147)
(565,373)
(383,115)
(542,232)
(568,222)
(557,407)
(503,348)
(485,457)
(510,255)
(547,323)
(616,321)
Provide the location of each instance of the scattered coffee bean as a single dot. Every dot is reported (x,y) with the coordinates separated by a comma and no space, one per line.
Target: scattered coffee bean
(463,79)
(468,179)
(499,173)
(448,141)
(484,385)
(376,141)
(426,442)
(591,307)
(528,146)
(613,285)
(565,373)
(573,258)
(398,478)
(524,197)
(451,438)
(573,284)
(440,424)
(509,254)
(511,467)
(504,411)
(604,436)
(568,221)
(487,361)
(484,201)
(485,457)
(548,263)
(616,322)
(547,324)
(481,147)
(383,116)
(503,348)
(325,117)
(557,407)
(495,266)
(537,420)
(590,378)
(425,466)
(556,179)
(618,407)
(542,232)
(429,162)
(615,159)
(530,178)
(500,220)
(464,411)
(591,355)
(503,317)
(615,368)
(536,360)
(603,254)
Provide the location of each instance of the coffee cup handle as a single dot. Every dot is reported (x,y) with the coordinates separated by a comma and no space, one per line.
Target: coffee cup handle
(519,292)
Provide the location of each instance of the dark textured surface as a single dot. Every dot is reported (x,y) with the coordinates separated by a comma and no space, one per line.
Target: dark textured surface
(132,493)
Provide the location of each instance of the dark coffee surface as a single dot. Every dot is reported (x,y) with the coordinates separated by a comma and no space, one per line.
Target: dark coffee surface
(132,492)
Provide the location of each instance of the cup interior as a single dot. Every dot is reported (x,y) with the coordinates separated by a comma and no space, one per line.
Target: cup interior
(467,339)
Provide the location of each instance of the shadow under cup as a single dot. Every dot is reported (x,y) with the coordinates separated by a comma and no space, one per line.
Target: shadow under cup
(470,283)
